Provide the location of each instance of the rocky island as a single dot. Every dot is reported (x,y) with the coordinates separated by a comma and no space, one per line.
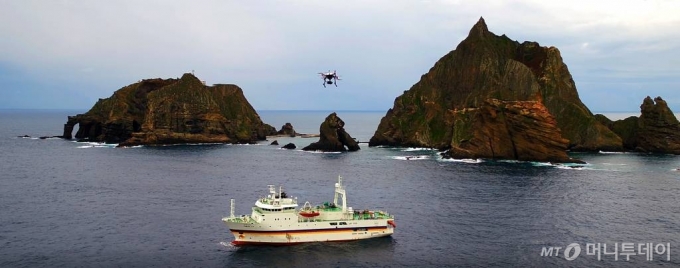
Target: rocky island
(171,111)
(493,97)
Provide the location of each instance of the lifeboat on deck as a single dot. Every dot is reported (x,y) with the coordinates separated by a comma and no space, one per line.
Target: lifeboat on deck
(309,214)
(307,211)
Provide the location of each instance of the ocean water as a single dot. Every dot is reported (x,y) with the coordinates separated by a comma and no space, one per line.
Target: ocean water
(65,204)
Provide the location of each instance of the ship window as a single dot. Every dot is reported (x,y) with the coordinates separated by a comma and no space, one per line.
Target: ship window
(334,223)
(343,223)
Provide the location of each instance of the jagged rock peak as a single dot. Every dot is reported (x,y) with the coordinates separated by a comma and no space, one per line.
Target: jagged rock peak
(479,29)
(658,111)
(648,104)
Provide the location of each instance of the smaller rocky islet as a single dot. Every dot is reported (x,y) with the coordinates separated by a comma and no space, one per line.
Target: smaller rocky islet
(333,137)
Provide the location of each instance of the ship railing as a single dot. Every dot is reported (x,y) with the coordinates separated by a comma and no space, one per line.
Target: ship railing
(372,215)
(240,219)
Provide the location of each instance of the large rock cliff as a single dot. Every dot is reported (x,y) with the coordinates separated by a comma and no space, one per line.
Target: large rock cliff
(171,111)
(486,66)
(522,130)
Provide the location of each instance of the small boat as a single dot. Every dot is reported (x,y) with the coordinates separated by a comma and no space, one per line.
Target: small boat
(308,211)
(275,219)
(309,214)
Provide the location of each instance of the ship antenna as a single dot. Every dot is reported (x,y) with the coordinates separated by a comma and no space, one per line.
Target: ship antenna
(231,214)
(272,191)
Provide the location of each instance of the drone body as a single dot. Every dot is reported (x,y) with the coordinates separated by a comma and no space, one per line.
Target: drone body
(330,78)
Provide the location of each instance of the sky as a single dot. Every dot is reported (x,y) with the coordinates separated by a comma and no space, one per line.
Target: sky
(66,54)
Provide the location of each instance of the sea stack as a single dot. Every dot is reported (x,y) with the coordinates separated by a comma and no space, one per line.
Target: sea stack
(333,137)
(287,130)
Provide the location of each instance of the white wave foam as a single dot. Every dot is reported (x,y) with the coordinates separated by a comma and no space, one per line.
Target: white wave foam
(98,145)
(319,152)
(464,160)
(184,144)
(543,164)
(570,167)
(135,146)
(42,138)
(413,149)
(604,152)
(576,166)
(226,244)
(411,157)
(200,144)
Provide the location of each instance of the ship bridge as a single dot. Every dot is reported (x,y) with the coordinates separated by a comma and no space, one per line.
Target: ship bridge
(276,201)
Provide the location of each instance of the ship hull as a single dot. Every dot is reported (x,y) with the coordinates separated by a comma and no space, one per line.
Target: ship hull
(253,234)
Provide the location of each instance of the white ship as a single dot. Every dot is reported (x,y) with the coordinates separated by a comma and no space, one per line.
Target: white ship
(276,219)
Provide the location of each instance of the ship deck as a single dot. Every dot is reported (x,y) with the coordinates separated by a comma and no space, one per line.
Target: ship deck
(356,216)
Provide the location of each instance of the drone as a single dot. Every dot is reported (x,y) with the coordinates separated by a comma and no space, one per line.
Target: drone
(329,78)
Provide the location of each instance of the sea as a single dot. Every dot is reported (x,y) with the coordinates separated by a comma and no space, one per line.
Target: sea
(70,204)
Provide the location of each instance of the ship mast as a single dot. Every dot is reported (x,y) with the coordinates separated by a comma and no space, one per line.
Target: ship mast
(340,190)
(231,214)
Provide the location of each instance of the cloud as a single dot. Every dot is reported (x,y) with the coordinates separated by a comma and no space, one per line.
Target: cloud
(273,49)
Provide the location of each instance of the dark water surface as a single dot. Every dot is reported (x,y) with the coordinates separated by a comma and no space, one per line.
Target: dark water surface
(70,204)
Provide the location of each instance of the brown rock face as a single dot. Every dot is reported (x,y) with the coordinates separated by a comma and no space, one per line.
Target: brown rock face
(333,137)
(655,131)
(486,66)
(659,129)
(521,130)
(171,111)
(287,129)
